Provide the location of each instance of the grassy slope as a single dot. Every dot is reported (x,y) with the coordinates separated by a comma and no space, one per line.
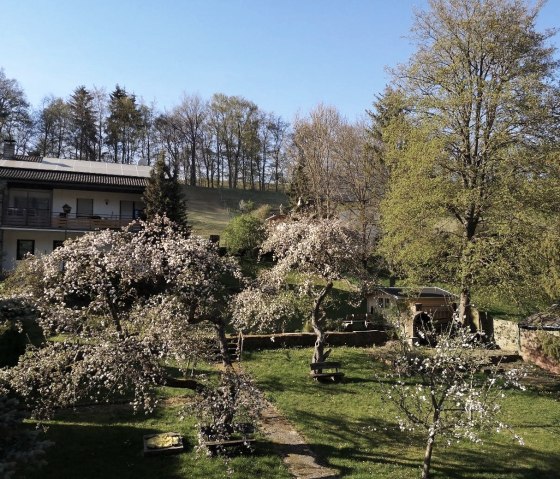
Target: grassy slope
(354,430)
(210,209)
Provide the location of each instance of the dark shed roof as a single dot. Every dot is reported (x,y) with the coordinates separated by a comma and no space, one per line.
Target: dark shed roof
(420,292)
(66,173)
(546,320)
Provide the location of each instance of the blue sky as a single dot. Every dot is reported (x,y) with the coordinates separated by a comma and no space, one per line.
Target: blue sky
(285,55)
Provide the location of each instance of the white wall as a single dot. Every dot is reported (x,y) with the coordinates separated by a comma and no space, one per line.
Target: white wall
(43,243)
(104,204)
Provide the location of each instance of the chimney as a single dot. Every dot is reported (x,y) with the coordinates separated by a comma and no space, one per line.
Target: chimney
(9,149)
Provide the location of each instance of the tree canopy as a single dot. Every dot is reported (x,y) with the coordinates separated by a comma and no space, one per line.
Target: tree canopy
(164,195)
(472,156)
(122,302)
(317,252)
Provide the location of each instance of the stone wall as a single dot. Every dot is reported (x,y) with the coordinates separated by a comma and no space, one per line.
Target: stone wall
(506,335)
(289,340)
(530,350)
(509,337)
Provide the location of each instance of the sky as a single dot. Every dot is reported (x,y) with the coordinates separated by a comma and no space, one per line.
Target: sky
(287,56)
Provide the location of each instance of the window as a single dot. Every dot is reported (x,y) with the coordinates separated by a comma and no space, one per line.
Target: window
(24,247)
(383,302)
(131,210)
(84,207)
(57,244)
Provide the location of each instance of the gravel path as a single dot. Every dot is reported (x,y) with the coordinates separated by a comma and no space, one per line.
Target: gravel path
(299,459)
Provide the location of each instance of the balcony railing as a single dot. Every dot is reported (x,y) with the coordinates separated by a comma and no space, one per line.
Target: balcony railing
(40,218)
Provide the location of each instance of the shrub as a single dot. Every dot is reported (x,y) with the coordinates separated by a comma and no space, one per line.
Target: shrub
(549,345)
(243,234)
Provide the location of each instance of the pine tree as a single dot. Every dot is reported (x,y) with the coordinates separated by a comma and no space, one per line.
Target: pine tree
(164,196)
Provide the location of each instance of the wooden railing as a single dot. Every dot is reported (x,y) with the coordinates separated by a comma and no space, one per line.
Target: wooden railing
(37,218)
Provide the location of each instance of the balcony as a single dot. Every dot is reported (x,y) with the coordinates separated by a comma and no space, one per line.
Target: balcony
(40,218)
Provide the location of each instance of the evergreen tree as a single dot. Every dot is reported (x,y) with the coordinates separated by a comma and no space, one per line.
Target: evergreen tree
(164,196)
(123,125)
(82,116)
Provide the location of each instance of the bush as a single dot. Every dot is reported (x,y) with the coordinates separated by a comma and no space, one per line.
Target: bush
(243,234)
(549,345)
(12,344)
(14,312)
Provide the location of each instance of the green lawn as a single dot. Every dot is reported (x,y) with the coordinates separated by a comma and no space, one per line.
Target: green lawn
(352,429)
(106,442)
(211,209)
(348,425)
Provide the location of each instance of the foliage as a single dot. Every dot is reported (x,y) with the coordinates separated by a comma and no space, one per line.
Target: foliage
(315,151)
(244,234)
(83,128)
(549,345)
(20,447)
(164,196)
(123,125)
(121,301)
(246,206)
(64,374)
(443,393)
(16,317)
(319,252)
(473,155)
(14,112)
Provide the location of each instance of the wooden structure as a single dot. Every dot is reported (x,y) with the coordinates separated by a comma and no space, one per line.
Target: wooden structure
(414,307)
(237,435)
(326,371)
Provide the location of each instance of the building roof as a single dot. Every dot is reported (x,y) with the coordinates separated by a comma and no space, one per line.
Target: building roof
(547,320)
(420,292)
(78,172)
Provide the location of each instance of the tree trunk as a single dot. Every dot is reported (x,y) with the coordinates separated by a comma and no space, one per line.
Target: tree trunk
(465,316)
(222,341)
(319,354)
(428,455)
(193,164)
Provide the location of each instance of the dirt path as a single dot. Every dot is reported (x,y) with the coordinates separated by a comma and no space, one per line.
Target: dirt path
(299,459)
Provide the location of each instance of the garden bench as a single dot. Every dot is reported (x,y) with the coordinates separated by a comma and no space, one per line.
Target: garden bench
(328,370)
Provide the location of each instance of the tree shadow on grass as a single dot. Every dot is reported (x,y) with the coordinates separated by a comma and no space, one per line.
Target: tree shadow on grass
(107,442)
(357,441)
(106,451)
(352,442)
(510,461)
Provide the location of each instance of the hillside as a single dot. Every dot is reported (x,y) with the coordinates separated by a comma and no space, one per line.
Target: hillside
(210,209)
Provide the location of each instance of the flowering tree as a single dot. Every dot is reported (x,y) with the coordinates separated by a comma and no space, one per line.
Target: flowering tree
(122,301)
(317,253)
(443,392)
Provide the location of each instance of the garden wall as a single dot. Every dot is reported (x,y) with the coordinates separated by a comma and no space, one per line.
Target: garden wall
(531,351)
(289,340)
(506,335)
(509,337)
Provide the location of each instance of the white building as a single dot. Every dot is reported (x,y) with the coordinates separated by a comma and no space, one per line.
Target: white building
(44,201)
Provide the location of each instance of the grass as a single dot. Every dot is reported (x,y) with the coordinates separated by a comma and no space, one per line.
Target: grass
(106,442)
(354,430)
(211,209)
(348,425)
